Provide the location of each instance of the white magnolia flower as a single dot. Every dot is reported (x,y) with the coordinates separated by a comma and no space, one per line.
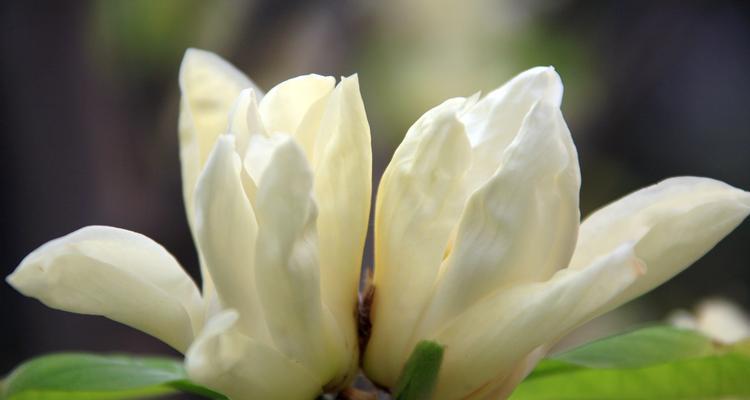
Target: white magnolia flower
(478,244)
(717,318)
(277,192)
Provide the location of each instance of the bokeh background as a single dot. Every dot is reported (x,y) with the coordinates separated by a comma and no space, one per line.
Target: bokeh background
(89,109)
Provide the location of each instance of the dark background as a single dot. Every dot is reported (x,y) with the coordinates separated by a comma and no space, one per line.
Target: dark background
(89,109)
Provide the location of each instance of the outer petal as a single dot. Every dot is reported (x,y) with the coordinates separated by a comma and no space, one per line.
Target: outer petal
(226,232)
(493,122)
(286,270)
(495,335)
(224,359)
(673,223)
(521,226)
(122,275)
(418,205)
(343,179)
(209,87)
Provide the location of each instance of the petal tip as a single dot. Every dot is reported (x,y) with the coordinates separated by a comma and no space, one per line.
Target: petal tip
(29,276)
(289,147)
(197,59)
(13,280)
(553,83)
(350,84)
(353,77)
(193,54)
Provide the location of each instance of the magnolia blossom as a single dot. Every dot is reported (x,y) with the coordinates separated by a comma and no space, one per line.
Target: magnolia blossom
(479,245)
(717,318)
(277,193)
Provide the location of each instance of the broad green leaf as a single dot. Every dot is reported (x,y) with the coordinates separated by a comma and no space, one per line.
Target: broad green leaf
(420,372)
(711,377)
(652,363)
(74,376)
(643,347)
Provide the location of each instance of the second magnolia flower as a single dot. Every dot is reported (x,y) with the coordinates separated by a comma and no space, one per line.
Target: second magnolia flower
(479,245)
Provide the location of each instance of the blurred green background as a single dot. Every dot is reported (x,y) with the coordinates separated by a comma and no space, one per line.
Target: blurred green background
(89,111)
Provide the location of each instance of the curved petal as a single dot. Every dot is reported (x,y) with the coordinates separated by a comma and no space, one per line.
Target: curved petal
(225,360)
(673,223)
(284,107)
(226,231)
(342,186)
(209,87)
(118,274)
(286,267)
(495,335)
(494,121)
(521,226)
(418,205)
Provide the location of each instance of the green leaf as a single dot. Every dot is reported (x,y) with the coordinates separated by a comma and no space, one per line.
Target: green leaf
(652,363)
(79,376)
(190,387)
(643,347)
(420,372)
(711,377)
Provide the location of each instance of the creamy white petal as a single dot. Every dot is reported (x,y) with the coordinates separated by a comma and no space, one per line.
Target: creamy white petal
(118,274)
(260,149)
(209,87)
(418,205)
(245,120)
(286,268)
(310,135)
(494,336)
(224,359)
(504,384)
(673,223)
(226,231)
(285,106)
(521,226)
(342,186)
(495,120)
